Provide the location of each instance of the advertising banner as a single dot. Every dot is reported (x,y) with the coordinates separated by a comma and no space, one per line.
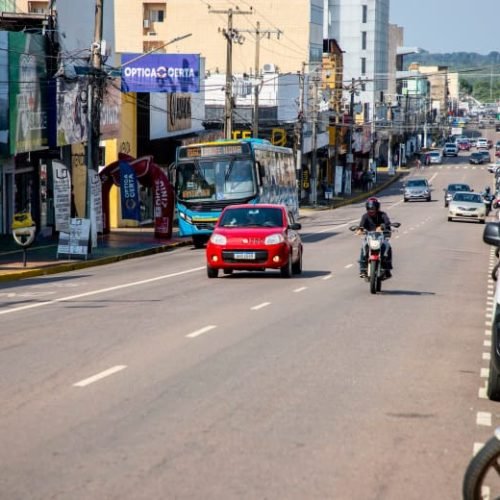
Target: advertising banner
(62,196)
(129,192)
(160,73)
(76,240)
(95,190)
(111,110)
(163,201)
(4,95)
(71,117)
(27,94)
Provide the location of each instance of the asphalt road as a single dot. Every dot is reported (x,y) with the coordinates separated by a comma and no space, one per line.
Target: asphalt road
(144,379)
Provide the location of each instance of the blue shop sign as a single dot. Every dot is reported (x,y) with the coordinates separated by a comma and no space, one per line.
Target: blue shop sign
(160,73)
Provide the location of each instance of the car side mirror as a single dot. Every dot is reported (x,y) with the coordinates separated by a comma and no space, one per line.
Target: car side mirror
(295,226)
(491,234)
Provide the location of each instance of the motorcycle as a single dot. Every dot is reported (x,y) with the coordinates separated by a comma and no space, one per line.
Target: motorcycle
(488,201)
(374,241)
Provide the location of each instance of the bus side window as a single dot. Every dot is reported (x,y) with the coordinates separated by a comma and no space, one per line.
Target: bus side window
(262,172)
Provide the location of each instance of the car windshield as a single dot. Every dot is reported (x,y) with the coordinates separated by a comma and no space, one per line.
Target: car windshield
(417,183)
(435,153)
(458,187)
(252,217)
(468,197)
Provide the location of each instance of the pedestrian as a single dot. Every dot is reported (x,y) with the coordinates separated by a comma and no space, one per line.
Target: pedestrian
(418,163)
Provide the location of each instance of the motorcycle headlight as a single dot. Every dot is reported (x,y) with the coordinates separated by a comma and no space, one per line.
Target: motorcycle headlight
(374,244)
(218,239)
(274,239)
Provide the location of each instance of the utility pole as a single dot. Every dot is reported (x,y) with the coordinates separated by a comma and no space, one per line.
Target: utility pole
(258,35)
(314,156)
(350,156)
(230,35)
(298,131)
(94,98)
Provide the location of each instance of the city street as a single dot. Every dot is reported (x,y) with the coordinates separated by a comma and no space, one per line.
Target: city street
(145,380)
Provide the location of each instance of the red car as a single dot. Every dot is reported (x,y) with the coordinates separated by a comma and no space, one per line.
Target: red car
(255,237)
(464,145)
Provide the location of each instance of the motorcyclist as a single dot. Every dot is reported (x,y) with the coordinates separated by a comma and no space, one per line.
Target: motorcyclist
(375,220)
(488,199)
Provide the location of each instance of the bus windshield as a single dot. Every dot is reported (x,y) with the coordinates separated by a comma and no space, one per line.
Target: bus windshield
(215,179)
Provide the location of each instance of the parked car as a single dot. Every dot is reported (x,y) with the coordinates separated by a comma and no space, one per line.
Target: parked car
(452,189)
(491,236)
(450,149)
(476,158)
(467,205)
(417,189)
(255,237)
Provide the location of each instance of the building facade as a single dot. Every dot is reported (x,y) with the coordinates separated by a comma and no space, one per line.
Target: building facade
(361,27)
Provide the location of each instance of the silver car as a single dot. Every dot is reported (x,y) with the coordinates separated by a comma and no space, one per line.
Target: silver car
(417,189)
(467,205)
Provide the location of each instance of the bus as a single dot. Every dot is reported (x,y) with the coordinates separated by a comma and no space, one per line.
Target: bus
(210,176)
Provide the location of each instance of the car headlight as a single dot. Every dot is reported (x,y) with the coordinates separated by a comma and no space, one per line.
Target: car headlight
(274,239)
(186,217)
(218,239)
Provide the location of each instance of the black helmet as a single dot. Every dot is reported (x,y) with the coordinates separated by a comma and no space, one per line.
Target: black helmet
(487,189)
(372,206)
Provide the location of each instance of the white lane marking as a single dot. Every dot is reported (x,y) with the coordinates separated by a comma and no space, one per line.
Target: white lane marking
(301,289)
(102,290)
(486,356)
(485,372)
(433,177)
(488,323)
(260,306)
(348,266)
(482,394)
(477,448)
(329,277)
(487,333)
(99,376)
(489,315)
(201,331)
(329,228)
(483,418)
(487,343)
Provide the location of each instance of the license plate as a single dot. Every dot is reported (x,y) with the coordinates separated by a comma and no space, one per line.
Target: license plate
(245,256)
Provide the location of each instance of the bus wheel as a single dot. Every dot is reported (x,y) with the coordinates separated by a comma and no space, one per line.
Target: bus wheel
(199,241)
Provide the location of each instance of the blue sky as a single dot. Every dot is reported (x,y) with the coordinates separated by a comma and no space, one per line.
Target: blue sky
(449,25)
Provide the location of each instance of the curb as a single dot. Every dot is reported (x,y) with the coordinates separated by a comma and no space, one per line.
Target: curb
(83,264)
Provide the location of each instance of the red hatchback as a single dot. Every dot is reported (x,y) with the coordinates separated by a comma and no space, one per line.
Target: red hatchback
(254,238)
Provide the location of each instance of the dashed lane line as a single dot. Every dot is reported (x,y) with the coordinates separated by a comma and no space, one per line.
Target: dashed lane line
(201,331)
(260,306)
(100,376)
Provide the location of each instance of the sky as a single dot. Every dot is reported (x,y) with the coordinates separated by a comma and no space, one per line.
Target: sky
(440,26)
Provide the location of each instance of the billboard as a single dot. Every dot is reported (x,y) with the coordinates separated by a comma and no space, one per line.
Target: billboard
(28,123)
(160,73)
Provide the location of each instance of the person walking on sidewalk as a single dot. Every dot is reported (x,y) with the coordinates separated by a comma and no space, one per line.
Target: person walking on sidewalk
(418,164)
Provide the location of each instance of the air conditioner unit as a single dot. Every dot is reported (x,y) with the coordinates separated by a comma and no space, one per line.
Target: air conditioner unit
(146,23)
(269,68)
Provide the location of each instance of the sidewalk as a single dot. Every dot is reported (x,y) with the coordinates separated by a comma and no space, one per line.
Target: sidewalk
(123,244)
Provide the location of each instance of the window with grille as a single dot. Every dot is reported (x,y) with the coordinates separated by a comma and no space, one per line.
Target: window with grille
(364,13)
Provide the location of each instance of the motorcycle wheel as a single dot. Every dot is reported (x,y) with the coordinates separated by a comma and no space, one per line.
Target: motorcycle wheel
(373,277)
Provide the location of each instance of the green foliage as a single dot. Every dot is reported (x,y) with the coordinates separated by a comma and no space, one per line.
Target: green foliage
(479,74)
